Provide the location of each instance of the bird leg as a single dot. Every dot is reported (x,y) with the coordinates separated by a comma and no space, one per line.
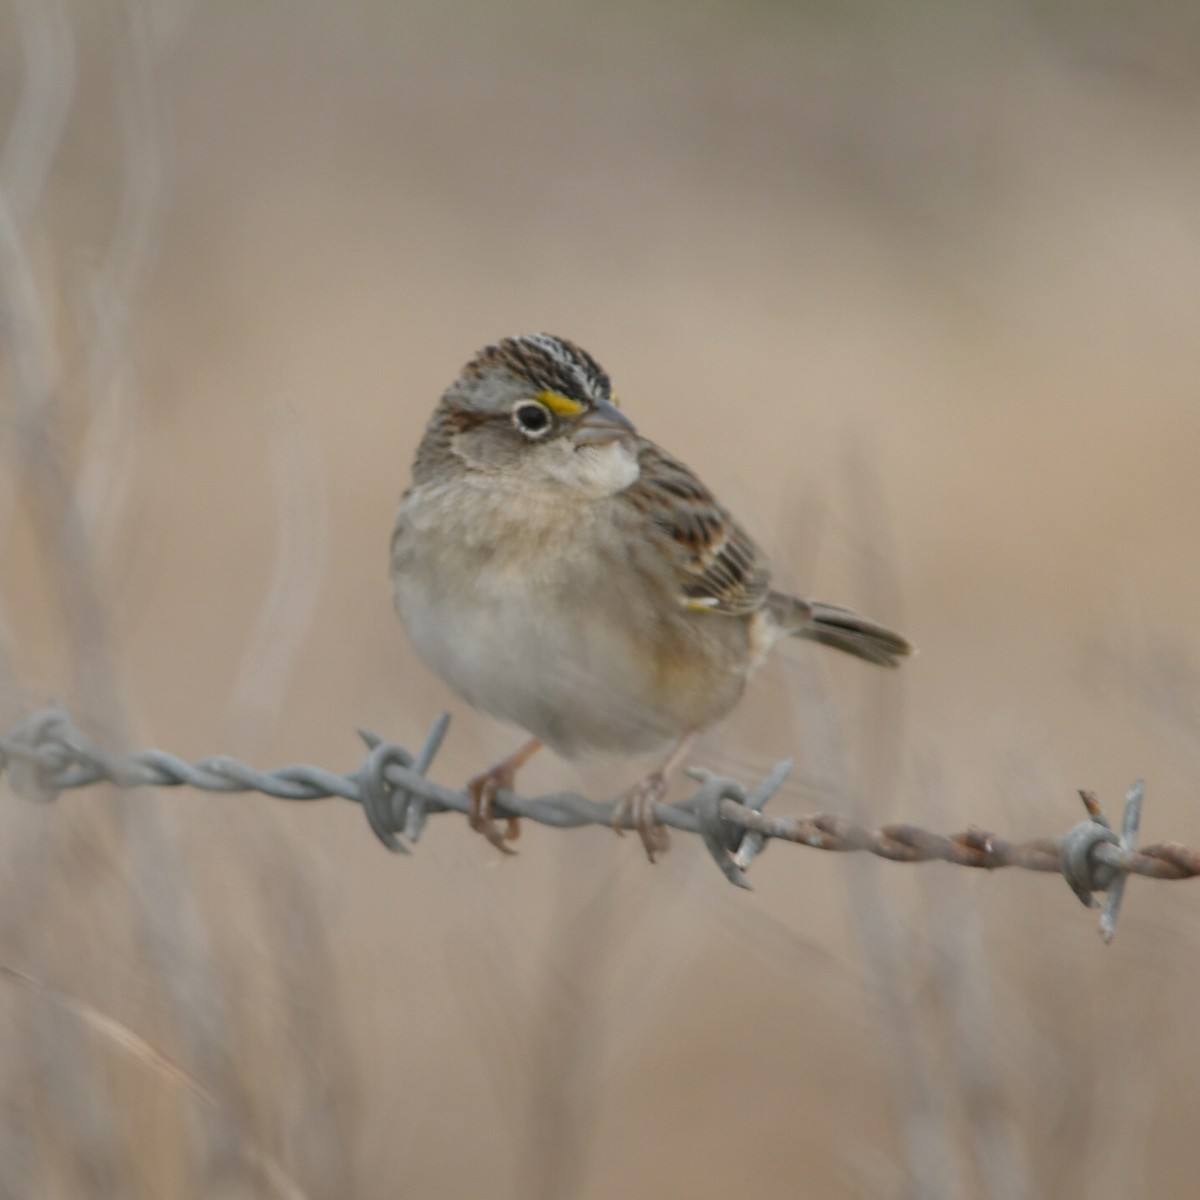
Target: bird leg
(481,791)
(638,803)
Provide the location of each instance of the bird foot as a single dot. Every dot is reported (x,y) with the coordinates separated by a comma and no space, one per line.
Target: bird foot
(638,804)
(481,791)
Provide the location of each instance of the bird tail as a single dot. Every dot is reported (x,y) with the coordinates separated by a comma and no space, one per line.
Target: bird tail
(839,627)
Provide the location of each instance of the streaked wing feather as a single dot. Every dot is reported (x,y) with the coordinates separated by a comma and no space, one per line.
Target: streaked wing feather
(717,565)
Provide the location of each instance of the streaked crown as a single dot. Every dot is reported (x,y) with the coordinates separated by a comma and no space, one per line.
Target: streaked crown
(542,363)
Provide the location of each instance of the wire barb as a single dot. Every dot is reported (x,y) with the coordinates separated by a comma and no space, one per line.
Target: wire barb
(47,754)
(1087,872)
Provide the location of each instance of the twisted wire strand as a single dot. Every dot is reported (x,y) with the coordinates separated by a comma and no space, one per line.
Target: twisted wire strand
(971,848)
(47,754)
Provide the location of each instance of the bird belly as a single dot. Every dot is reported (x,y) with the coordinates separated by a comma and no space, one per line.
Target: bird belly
(574,688)
(585,665)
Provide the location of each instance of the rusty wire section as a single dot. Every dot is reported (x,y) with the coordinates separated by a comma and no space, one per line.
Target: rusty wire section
(47,754)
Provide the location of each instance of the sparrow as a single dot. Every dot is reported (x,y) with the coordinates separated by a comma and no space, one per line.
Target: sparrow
(568,576)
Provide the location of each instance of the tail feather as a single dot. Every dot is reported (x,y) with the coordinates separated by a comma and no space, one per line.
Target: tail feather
(842,628)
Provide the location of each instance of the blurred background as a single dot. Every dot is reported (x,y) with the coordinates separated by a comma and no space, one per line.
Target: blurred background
(914,288)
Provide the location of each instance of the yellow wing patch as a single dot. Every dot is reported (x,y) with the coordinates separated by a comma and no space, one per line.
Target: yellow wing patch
(560,405)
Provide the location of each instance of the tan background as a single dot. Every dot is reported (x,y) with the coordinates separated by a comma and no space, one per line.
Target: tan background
(916,293)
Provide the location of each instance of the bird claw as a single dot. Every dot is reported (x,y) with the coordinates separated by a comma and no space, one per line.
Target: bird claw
(481,792)
(638,804)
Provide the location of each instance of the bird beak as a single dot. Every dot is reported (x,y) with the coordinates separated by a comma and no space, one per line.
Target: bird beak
(604,423)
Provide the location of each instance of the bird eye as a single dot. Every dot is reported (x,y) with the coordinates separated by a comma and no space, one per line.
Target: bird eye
(532,419)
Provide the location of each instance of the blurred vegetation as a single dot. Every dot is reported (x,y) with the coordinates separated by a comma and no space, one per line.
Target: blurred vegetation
(913,287)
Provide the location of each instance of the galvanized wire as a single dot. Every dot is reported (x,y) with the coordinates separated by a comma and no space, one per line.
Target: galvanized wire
(47,754)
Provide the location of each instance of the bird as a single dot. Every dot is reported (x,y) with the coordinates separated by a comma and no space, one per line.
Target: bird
(565,574)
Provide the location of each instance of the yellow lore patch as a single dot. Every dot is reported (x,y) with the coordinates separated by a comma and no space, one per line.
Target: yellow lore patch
(560,405)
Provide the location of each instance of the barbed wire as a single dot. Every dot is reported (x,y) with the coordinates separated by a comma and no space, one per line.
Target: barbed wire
(47,754)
